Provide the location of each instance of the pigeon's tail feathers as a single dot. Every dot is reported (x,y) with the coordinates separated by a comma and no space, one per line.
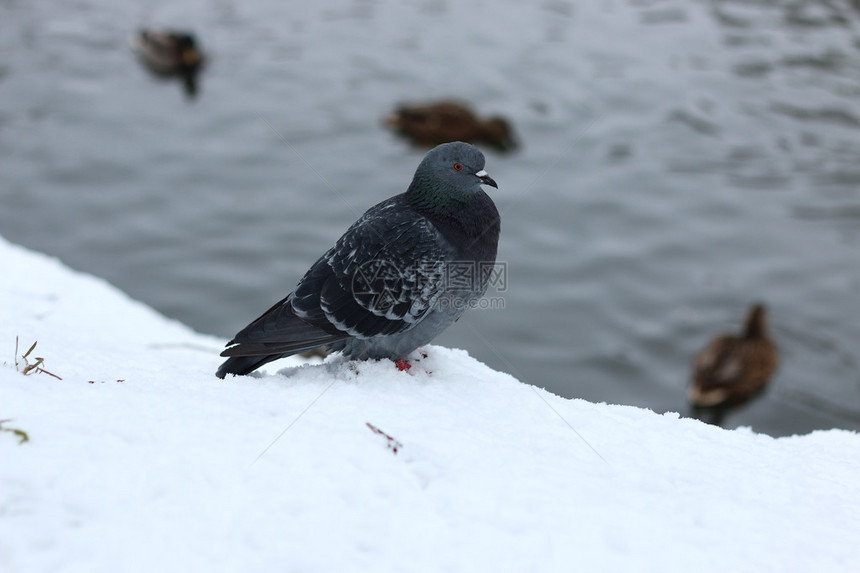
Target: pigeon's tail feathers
(242,365)
(244,358)
(282,349)
(278,333)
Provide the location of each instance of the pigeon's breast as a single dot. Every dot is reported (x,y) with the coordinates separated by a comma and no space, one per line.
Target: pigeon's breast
(473,231)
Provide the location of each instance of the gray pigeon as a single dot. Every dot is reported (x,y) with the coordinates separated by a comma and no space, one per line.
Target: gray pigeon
(400,275)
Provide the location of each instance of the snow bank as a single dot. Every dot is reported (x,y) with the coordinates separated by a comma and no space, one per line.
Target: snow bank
(139,459)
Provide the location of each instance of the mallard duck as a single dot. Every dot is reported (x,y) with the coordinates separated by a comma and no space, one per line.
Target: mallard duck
(731,369)
(170,53)
(446,121)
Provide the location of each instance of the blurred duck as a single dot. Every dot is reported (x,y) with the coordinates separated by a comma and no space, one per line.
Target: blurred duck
(169,54)
(445,121)
(731,370)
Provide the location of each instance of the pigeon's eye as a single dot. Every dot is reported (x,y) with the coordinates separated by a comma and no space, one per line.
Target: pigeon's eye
(458,167)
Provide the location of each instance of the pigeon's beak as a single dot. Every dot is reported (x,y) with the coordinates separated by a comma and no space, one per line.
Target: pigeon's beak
(486,179)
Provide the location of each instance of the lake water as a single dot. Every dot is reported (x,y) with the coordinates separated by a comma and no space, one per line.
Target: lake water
(680,159)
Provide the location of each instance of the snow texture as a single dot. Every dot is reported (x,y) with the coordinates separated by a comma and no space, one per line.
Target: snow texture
(139,459)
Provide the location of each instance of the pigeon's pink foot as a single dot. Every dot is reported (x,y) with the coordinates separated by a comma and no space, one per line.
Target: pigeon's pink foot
(402,364)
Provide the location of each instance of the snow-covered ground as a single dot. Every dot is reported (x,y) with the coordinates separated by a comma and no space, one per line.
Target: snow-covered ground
(140,459)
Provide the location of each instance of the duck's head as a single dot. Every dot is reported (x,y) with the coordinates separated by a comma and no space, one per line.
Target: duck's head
(756,322)
(189,56)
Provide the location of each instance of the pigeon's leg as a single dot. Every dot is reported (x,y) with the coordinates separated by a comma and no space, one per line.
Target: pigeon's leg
(405,365)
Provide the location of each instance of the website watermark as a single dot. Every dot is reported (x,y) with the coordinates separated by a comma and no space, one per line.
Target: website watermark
(462,304)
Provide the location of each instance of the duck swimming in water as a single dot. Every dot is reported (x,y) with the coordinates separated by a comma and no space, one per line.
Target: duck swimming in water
(170,54)
(732,369)
(445,121)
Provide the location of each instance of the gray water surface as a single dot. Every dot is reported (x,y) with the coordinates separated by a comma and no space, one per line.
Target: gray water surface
(679,160)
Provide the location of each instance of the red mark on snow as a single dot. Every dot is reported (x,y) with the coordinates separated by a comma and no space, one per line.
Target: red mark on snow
(393,444)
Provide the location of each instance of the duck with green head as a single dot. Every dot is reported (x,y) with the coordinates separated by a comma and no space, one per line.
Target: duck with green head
(170,54)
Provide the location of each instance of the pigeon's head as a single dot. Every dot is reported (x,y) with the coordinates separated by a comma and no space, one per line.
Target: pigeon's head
(450,172)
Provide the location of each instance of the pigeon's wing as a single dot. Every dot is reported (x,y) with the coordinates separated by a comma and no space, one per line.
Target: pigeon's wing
(382,277)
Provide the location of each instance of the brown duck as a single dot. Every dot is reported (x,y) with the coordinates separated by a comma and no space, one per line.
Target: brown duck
(445,121)
(731,369)
(170,54)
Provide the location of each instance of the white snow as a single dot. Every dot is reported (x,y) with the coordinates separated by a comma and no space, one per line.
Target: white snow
(140,459)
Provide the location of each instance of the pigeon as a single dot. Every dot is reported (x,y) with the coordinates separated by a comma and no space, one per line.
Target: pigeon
(732,369)
(400,275)
(170,53)
(443,121)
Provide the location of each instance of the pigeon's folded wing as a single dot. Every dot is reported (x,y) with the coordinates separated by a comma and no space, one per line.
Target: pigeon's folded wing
(382,277)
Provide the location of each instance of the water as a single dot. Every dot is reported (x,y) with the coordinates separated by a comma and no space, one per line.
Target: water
(680,160)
